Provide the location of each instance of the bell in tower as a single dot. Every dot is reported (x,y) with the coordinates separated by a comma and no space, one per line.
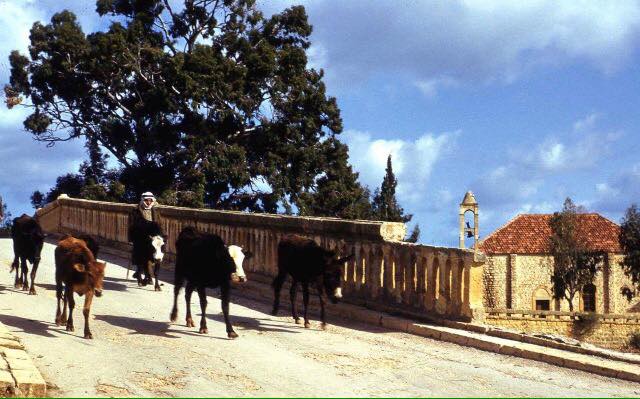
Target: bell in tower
(469,204)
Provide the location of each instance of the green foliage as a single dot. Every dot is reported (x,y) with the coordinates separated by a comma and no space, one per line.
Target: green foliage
(5,218)
(385,205)
(38,200)
(200,102)
(575,265)
(630,243)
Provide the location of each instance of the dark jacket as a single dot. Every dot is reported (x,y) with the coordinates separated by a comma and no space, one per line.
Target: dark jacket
(136,216)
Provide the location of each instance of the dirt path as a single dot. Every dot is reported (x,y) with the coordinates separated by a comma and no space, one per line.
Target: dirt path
(137,352)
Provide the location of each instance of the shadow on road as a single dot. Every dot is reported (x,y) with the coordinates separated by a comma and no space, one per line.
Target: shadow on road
(145,327)
(29,326)
(250,323)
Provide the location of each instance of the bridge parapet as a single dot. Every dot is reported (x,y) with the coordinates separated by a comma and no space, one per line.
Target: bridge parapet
(434,281)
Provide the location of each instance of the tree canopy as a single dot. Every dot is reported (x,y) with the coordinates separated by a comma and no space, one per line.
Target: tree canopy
(211,104)
(575,265)
(630,243)
(385,204)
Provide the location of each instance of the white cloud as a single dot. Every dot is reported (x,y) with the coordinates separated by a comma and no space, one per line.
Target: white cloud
(430,87)
(580,148)
(469,41)
(413,161)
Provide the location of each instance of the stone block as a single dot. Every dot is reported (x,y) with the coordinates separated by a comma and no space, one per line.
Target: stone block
(11,353)
(453,338)
(424,330)
(510,350)
(484,345)
(395,323)
(10,343)
(30,383)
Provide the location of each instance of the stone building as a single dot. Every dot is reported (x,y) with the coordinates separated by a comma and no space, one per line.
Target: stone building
(518,270)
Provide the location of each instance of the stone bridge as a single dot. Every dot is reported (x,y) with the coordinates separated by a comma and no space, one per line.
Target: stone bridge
(385,273)
(137,352)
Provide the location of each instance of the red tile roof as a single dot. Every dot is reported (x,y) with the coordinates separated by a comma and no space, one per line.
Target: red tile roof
(529,234)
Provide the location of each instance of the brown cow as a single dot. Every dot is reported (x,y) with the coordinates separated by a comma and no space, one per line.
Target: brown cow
(77,268)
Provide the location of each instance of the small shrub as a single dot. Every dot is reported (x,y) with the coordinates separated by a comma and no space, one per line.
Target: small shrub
(634,340)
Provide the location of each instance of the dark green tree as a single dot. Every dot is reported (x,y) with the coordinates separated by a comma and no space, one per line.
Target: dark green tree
(198,103)
(5,217)
(385,205)
(38,199)
(575,264)
(630,243)
(336,193)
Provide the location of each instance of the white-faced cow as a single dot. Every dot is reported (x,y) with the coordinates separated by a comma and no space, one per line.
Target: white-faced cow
(148,250)
(203,260)
(28,239)
(307,263)
(78,270)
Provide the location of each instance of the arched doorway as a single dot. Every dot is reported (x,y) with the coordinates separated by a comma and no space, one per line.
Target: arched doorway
(589,298)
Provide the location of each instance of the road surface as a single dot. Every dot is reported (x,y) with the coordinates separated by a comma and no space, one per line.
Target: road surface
(137,352)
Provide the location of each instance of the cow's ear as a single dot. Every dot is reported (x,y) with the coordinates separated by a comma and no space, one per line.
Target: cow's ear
(247,254)
(79,267)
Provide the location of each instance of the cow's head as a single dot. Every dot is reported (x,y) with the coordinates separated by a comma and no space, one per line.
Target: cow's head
(332,275)
(238,257)
(157,247)
(93,275)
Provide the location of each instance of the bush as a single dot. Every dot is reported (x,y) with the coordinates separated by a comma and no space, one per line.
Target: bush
(634,340)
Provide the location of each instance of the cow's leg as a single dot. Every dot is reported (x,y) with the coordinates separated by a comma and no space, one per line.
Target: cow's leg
(324,324)
(138,275)
(85,311)
(292,297)
(156,272)
(63,318)
(305,299)
(202,294)
(24,269)
(277,286)
(225,289)
(179,281)
(187,298)
(59,321)
(34,270)
(68,293)
(17,267)
(14,264)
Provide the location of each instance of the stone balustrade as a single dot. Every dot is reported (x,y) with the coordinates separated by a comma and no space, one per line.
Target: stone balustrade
(435,281)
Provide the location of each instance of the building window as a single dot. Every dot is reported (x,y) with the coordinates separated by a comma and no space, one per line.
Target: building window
(542,304)
(589,298)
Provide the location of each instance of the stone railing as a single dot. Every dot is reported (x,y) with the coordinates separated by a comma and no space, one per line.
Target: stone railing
(444,282)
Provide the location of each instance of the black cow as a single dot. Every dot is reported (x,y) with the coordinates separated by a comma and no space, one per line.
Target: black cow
(308,263)
(148,245)
(92,244)
(28,240)
(204,261)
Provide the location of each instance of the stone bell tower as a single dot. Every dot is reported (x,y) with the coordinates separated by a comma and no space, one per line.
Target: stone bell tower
(469,203)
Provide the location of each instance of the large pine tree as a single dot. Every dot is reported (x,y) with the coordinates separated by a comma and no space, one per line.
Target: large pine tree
(211,103)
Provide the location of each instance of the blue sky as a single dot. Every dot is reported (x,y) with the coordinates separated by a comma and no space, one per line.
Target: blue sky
(524,103)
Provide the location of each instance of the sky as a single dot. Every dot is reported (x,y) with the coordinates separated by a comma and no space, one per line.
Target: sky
(523,103)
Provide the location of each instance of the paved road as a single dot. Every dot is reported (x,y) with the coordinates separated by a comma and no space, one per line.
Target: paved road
(137,352)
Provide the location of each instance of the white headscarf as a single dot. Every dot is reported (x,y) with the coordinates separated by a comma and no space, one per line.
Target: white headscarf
(147,195)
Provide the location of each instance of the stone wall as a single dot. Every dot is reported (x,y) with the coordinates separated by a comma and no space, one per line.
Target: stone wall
(607,330)
(445,282)
(495,281)
(512,280)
